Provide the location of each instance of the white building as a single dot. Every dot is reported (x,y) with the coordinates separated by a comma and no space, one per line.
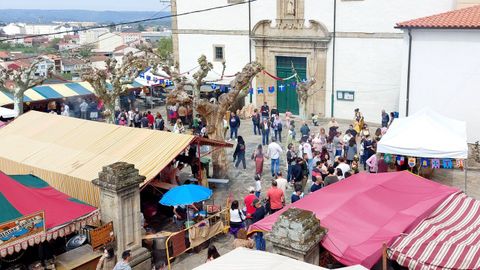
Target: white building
(441,67)
(91,36)
(156,35)
(14,29)
(108,42)
(368,49)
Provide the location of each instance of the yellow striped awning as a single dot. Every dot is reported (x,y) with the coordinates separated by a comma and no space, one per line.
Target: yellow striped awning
(4,99)
(33,95)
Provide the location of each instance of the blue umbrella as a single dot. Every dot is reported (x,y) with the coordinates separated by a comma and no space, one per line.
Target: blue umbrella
(186,194)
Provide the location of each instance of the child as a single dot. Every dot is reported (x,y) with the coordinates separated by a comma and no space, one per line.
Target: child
(258,185)
(291,135)
(297,194)
(315,119)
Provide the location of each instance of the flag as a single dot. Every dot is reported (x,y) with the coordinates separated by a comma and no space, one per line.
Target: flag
(436,163)
(271,89)
(411,162)
(425,162)
(250,91)
(447,163)
(387,158)
(214,86)
(281,88)
(149,77)
(260,90)
(459,163)
(400,160)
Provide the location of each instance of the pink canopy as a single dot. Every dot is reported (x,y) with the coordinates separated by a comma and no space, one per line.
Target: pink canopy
(367,210)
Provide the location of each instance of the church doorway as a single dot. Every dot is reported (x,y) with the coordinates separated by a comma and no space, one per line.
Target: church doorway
(286,90)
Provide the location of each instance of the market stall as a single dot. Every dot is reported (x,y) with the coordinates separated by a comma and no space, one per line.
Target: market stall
(68,153)
(448,239)
(32,212)
(428,140)
(242,258)
(366,211)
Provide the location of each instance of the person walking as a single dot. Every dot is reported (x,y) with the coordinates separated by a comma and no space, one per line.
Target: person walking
(282,183)
(274,152)
(260,213)
(291,158)
(305,130)
(234,125)
(239,154)
(277,128)
(351,150)
(265,111)
(258,157)
(237,218)
(276,197)
(248,200)
(265,131)
(256,122)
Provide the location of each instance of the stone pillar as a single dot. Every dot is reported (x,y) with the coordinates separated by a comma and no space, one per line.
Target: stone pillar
(120,203)
(297,234)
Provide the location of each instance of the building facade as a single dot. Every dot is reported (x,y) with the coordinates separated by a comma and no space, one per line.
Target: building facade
(441,67)
(366,71)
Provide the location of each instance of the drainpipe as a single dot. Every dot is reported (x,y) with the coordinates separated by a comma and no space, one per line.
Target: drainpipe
(250,42)
(333,56)
(408,70)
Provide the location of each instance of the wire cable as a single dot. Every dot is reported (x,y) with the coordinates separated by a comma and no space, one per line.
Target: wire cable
(132,22)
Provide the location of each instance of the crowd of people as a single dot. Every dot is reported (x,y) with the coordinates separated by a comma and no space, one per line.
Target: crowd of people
(312,162)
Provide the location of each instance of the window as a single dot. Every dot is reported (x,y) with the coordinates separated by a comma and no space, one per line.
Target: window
(218,52)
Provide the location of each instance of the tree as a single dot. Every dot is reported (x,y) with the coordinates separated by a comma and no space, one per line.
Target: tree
(165,47)
(85,52)
(304,92)
(22,79)
(212,112)
(110,83)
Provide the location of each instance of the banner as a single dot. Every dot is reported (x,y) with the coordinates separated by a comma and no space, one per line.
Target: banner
(425,162)
(411,162)
(447,163)
(260,90)
(400,160)
(436,163)
(22,227)
(271,89)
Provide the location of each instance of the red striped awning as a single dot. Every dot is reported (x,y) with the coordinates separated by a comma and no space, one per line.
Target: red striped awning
(448,239)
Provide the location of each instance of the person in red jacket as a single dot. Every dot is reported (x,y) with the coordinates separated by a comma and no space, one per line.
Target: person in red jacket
(151,119)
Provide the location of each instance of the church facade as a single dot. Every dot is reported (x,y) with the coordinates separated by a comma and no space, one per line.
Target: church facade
(350,47)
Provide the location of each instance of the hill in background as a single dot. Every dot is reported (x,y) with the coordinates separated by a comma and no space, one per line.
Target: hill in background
(47,16)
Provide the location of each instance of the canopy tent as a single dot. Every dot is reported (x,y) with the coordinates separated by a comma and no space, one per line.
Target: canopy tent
(23,195)
(56,91)
(366,211)
(68,153)
(448,239)
(7,113)
(426,134)
(242,258)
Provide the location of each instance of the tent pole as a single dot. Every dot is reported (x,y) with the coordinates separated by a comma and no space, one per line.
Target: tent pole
(384,257)
(466,169)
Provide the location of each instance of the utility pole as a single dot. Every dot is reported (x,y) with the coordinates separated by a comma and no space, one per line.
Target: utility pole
(333,56)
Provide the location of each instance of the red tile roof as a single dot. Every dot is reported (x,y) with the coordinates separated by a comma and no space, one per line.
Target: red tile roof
(466,18)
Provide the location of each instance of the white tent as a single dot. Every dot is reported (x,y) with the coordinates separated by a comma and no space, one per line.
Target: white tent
(7,113)
(247,259)
(426,134)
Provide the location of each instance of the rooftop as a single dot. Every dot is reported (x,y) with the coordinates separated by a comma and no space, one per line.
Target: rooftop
(466,18)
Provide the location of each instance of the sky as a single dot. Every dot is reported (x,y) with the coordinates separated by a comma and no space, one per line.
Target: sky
(117,5)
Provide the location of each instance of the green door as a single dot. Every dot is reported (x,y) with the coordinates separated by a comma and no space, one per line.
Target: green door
(287,99)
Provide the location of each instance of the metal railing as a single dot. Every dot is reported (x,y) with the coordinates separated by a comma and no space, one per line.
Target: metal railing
(222,216)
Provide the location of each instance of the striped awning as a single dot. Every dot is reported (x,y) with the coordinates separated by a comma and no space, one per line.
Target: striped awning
(448,239)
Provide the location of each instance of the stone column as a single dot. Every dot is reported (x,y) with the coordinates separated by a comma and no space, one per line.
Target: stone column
(120,203)
(297,234)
